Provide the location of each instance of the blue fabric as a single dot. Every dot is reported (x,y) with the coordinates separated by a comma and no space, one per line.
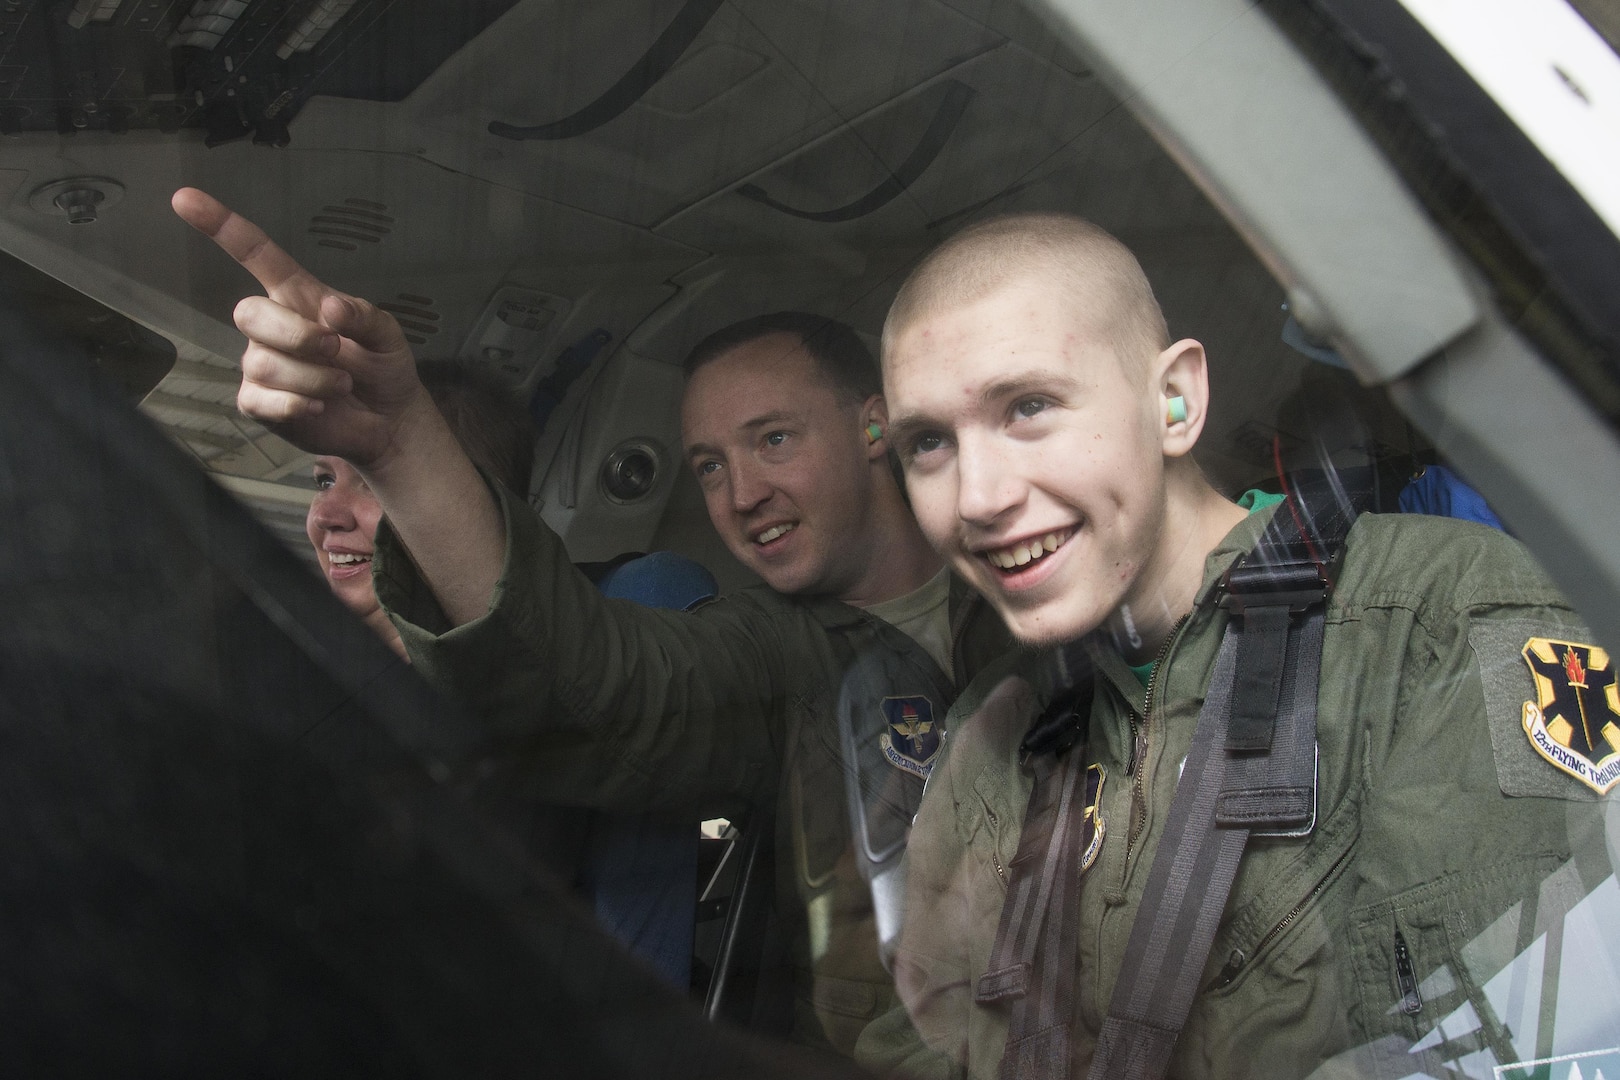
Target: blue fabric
(1442,493)
(662,579)
(640,870)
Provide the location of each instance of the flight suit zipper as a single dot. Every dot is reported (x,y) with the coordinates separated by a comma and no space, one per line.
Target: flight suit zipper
(1411,1000)
(1236,961)
(1139,743)
(995,855)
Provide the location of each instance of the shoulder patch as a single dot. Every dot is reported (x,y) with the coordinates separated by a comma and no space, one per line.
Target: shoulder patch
(911,740)
(1574,719)
(1552,706)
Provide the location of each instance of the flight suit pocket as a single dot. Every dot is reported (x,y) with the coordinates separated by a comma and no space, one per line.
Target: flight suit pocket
(1281,888)
(842,1009)
(996,832)
(1425,958)
(820,814)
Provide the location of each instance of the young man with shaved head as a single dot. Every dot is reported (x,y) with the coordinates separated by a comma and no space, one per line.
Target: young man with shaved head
(1045,421)
(766,699)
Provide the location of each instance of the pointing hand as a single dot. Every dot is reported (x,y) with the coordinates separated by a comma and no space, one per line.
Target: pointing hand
(329,372)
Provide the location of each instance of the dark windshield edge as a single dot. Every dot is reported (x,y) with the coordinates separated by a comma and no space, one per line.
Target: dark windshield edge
(1551,262)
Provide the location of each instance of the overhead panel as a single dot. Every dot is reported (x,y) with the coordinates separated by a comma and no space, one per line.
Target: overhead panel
(957,142)
(232,68)
(1016,21)
(430,245)
(849,212)
(755,81)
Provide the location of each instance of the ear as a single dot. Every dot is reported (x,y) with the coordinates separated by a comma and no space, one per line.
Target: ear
(875,417)
(1182,371)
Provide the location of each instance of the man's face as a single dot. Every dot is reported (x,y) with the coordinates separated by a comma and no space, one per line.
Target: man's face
(783,465)
(1033,457)
(342,524)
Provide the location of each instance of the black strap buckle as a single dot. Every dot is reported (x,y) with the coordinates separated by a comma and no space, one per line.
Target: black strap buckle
(1266,597)
(1057,730)
(1298,587)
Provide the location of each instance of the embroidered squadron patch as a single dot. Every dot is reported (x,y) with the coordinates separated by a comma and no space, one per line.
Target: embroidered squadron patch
(1575,720)
(911,741)
(1091,827)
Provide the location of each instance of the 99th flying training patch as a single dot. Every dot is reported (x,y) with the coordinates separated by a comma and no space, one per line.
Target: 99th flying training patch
(911,740)
(1574,721)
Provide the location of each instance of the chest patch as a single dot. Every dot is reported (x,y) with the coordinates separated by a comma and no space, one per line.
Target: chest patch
(911,740)
(1091,827)
(1574,721)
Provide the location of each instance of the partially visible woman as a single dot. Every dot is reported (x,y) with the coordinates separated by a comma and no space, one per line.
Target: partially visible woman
(342,524)
(493,427)
(638,872)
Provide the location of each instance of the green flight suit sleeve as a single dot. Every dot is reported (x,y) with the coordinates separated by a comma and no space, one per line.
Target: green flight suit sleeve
(925,1036)
(603,702)
(961,842)
(1469,835)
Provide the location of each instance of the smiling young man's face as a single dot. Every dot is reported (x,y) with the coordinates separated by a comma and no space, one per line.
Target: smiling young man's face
(785,469)
(1034,456)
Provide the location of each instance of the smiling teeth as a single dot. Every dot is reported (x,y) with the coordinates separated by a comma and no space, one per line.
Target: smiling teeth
(339,558)
(773,532)
(1027,552)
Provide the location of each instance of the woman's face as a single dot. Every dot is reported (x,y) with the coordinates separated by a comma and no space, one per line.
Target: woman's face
(342,524)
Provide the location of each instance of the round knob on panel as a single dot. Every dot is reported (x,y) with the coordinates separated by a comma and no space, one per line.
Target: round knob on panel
(630,471)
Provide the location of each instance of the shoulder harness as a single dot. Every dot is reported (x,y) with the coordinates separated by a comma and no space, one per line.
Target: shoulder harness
(1251,771)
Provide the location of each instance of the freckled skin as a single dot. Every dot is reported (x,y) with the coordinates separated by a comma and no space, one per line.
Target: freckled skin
(1088,460)
(1030,425)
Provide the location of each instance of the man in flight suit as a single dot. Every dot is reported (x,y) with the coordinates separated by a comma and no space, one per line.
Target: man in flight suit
(1044,419)
(845,666)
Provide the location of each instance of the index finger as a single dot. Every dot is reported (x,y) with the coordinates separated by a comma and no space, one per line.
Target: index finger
(248,244)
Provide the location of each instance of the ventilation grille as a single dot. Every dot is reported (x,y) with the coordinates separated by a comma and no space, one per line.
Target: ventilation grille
(415,315)
(348,225)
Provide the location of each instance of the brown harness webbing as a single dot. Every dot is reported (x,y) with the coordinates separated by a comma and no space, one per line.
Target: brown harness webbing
(1045,881)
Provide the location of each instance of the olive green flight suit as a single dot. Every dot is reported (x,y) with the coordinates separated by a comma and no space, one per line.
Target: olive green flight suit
(608,704)
(1442,838)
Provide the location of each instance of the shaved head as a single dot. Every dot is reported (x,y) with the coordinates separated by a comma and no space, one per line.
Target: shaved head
(1111,294)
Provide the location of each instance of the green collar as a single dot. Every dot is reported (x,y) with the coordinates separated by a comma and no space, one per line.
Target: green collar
(1253,500)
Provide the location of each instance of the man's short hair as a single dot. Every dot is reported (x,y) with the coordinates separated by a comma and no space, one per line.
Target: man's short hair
(487,416)
(841,356)
(1089,263)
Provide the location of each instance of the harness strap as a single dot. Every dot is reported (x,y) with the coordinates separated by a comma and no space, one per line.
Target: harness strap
(1221,797)
(1040,918)
(1251,770)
